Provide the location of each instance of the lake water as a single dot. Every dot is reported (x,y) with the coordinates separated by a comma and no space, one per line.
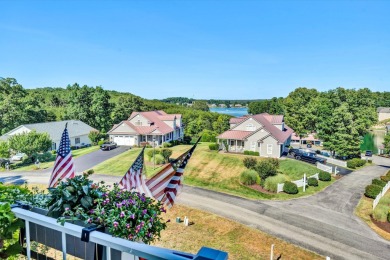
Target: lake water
(237,112)
(373,140)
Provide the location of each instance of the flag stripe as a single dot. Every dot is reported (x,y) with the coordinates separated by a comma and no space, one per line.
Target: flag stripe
(64,165)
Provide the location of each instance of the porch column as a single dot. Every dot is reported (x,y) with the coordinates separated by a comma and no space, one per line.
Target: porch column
(236,146)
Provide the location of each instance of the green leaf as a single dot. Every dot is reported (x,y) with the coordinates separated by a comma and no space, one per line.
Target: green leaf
(86,202)
(86,189)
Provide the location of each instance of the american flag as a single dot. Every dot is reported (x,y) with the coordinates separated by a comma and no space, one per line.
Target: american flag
(165,185)
(63,166)
(134,179)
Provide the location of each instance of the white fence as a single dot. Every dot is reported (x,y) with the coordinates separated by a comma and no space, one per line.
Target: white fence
(334,161)
(380,195)
(112,245)
(324,167)
(300,183)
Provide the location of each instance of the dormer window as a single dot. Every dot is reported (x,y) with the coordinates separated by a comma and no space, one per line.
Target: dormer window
(139,123)
(250,127)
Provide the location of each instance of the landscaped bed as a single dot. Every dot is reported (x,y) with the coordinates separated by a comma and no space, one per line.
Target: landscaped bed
(215,170)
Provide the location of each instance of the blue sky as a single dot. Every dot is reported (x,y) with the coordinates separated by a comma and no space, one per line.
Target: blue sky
(200,49)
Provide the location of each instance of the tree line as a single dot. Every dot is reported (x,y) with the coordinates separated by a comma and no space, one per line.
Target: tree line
(95,106)
(340,117)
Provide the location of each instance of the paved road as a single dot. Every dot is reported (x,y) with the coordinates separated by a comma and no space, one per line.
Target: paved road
(323,223)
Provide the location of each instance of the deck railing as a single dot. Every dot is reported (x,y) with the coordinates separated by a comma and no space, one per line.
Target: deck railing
(125,249)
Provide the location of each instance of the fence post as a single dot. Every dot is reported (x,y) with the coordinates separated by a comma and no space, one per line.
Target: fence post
(272,252)
(304,182)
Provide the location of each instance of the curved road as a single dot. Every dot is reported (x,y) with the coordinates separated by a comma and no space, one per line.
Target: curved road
(324,222)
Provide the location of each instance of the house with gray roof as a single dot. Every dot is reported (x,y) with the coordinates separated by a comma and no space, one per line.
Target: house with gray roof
(383,113)
(263,133)
(78,131)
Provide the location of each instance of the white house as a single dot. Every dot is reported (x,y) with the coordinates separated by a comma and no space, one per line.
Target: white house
(78,131)
(147,127)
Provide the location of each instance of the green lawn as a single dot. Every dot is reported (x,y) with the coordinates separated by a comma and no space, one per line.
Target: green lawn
(45,165)
(215,171)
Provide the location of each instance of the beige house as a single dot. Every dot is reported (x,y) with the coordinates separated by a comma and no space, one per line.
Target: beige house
(263,133)
(383,113)
(151,126)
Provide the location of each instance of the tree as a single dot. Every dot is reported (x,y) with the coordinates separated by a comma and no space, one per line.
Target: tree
(4,149)
(300,110)
(265,168)
(386,143)
(79,103)
(344,138)
(101,109)
(17,107)
(200,105)
(221,124)
(126,105)
(272,106)
(30,143)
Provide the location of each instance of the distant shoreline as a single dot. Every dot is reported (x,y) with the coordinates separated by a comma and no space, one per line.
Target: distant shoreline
(233,111)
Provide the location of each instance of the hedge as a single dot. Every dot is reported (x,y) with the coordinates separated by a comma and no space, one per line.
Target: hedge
(251,153)
(248,177)
(372,191)
(324,176)
(213,147)
(379,182)
(388,216)
(249,162)
(290,187)
(355,163)
(312,182)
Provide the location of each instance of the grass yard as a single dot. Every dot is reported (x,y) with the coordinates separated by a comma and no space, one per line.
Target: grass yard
(364,211)
(215,171)
(239,241)
(45,165)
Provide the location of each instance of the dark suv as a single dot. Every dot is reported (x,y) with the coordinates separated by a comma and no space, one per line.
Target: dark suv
(369,153)
(305,156)
(107,146)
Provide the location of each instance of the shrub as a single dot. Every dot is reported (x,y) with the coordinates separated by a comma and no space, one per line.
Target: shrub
(90,171)
(246,152)
(290,187)
(166,153)
(265,169)
(369,161)
(101,142)
(271,183)
(355,163)
(380,212)
(324,176)
(151,152)
(274,161)
(159,159)
(53,152)
(248,177)
(258,180)
(372,191)
(213,147)
(388,216)
(379,182)
(249,162)
(385,178)
(312,182)
(166,145)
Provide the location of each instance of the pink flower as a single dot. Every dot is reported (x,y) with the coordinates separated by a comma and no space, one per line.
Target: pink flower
(115,224)
(89,220)
(66,209)
(122,214)
(127,226)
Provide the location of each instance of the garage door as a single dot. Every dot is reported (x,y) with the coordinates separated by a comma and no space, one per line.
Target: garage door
(124,140)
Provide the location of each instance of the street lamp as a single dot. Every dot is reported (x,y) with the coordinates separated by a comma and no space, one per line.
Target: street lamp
(154,155)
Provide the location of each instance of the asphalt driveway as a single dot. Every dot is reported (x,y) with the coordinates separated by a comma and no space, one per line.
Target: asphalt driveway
(87,161)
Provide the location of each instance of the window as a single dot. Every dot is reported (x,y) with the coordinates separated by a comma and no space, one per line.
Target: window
(54,146)
(77,140)
(269,148)
(253,145)
(138,122)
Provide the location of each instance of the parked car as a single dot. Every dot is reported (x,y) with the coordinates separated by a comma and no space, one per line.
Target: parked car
(308,145)
(368,153)
(82,145)
(108,146)
(306,156)
(3,162)
(18,157)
